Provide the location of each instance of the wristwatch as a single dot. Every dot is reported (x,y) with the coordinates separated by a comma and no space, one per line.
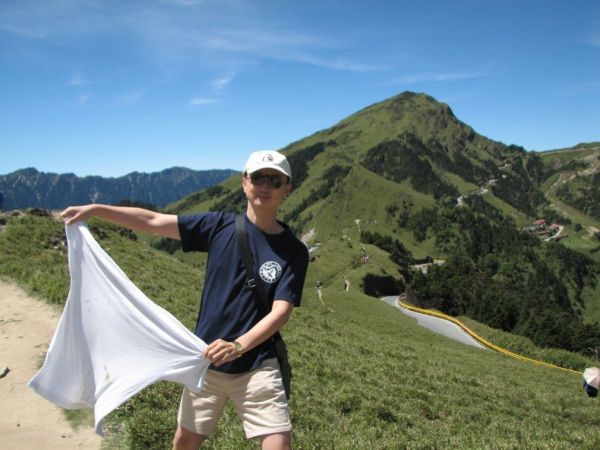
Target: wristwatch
(239,348)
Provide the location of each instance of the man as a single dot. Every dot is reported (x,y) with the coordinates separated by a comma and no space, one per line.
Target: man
(244,366)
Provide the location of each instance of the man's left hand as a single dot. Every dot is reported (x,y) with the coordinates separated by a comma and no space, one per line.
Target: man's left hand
(220,352)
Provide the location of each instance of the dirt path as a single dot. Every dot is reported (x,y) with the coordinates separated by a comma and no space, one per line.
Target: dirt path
(28,421)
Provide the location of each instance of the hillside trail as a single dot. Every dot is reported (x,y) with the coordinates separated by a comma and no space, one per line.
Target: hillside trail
(28,421)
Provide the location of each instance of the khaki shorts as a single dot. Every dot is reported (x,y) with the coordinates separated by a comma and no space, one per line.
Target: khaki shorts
(258,396)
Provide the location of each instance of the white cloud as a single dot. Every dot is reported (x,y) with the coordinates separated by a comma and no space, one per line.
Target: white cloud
(339,64)
(56,19)
(594,40)
(77,80)
(201,101)
(220,84)
(217,86)
(426,77)
(131,97)
(83,99)
(186,33)
(579,88)
(185,3)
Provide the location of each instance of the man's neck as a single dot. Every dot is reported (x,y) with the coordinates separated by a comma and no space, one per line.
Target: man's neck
(266,220)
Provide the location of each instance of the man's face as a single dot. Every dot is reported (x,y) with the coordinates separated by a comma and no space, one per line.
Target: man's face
(266,187)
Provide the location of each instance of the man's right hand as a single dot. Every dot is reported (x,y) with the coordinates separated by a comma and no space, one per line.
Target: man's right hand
(74,214)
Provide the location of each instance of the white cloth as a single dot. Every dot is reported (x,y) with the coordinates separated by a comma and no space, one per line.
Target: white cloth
(111,340)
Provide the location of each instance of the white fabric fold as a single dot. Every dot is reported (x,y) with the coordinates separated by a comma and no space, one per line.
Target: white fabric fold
(591,375)
(112,341)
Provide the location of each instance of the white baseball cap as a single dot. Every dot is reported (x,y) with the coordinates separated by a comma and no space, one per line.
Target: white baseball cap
(268,159)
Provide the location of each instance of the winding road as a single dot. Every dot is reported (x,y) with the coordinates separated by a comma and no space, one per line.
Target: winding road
(437,325)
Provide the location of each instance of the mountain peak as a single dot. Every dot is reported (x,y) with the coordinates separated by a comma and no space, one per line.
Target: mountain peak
(415,102)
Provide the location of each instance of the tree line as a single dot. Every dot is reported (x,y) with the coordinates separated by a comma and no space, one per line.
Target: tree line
(499,275)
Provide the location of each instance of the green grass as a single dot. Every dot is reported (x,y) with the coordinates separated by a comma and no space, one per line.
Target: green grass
(31,254)
(591,299)
(582,240)
(461,185)
(365,375)
(79,418)
(519,217)
(525,347)
(567,154)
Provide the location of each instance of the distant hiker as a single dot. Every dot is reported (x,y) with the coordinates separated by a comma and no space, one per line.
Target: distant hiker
(591,381)
(244,360)
(364,257)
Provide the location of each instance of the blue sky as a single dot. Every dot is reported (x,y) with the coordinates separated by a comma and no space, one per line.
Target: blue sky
(103,87)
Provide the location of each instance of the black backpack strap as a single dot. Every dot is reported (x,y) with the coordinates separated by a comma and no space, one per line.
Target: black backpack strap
(263,307)
(240,231)
(242,238)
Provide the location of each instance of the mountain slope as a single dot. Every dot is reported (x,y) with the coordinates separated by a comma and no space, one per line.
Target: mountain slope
(365,376)
(426,155)
(406,177)
(573,177)
(412,140)
(418,144)
(29,188)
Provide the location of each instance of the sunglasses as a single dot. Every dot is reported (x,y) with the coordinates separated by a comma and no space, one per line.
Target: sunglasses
(259,179)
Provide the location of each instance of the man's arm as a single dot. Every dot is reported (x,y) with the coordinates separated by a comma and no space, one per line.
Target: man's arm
(220,351)
(134,218)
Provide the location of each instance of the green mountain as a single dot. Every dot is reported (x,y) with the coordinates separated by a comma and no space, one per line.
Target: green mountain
(409,150)
(29,188)
(409,182)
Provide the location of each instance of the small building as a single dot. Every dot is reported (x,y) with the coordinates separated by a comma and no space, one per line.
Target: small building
(536,226)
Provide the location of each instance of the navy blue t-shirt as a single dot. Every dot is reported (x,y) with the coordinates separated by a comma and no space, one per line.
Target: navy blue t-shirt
(228,307)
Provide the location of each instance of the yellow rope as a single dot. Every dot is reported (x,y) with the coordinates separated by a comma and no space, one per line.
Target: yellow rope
(488,344)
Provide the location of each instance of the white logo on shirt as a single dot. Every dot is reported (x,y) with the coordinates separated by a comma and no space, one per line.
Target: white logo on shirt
(270,271)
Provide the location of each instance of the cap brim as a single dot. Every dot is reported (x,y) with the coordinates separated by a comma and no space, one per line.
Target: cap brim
(269,166)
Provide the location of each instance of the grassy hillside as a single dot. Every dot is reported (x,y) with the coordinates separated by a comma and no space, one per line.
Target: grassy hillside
(571,177)
(413,182)
(402,155)
(34,254)
(571,188)
(365,376)
(400,167)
